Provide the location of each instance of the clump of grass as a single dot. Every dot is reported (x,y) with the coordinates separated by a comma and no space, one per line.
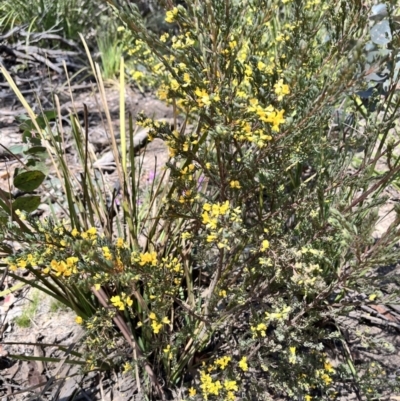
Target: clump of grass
(111,51)
(57,306)
(68,16)
(29,311)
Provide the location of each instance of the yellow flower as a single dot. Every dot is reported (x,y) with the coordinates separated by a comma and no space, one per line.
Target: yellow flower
(127,367)
(292,356)
(235,184)
(92,232)
(328,367)
(264,245)
(223,362)
(192,392)
(281,89)
(327,379)
(21,215)
(128,301)
(174,84)
(165,320)
(137,75)
(106,253)
(148,257)
(186,78)
(275,118)
(186,235)
(156,326)
(203,97)
(224,208)
(117,302)
(164,37)
(120,243)
(230,396)
(232,44)
(78,320)
(153,316)
(207,207)
(22,263)
(230,385)
(170,15)
(243,364)
(71,263)
(307,398)
(211,237)
(261,327)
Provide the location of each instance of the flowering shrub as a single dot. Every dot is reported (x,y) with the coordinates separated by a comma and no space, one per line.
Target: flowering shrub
(262,230)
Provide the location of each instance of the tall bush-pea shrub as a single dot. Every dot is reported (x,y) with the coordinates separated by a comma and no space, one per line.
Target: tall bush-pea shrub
(259,235)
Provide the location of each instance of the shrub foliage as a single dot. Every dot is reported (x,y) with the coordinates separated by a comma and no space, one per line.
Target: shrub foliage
(229,281)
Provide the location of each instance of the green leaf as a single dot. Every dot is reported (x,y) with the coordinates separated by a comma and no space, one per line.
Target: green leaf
(42,121)
(46,359)
(29,180)
(17,149)
(38,165)
(27,136)
(36,150)
(27,203)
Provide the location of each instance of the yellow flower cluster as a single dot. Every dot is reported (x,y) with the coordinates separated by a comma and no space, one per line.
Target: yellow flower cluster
(172,263)
(120,301)
(157,325)
(205,99)
(147,258)
(222,362)
(243,364)
(171,15)
(292,355)
(260,329)
(90,234)
(22,263)
(281,89)
(258,136)
(267,114)
(210,387)
(182,41)
(168,351)
(218,217)
(59,243)
(212,212)
(63,268)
